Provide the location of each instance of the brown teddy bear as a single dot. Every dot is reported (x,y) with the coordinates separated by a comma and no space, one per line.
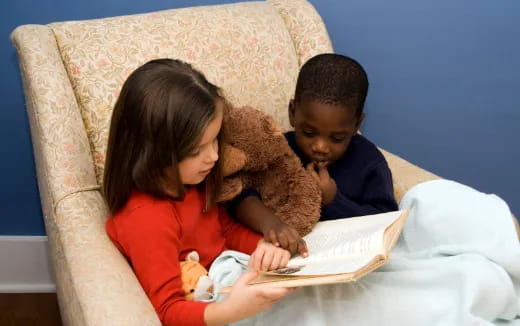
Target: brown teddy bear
(256,156)
(196,283)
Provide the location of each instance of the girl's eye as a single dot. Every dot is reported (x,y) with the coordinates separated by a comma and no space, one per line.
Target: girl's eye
(194,153)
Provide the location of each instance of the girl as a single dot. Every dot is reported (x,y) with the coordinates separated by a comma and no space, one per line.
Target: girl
(161,178)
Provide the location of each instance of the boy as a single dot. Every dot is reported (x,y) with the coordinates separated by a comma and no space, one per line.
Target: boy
(326,114)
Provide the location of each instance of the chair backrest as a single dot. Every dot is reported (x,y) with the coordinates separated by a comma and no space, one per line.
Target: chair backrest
(252,50)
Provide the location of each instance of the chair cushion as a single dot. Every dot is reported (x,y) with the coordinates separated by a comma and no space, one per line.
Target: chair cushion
(244,48)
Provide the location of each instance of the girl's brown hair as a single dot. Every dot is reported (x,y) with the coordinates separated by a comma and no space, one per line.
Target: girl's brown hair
(161,113)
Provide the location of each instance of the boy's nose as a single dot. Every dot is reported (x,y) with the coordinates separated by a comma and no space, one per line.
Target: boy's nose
(320,146)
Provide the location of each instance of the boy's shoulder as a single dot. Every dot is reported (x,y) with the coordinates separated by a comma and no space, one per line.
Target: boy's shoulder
(361,148)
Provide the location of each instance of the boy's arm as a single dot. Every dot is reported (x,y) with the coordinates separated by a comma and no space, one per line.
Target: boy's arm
(252,212)
(249,210)
(377,197)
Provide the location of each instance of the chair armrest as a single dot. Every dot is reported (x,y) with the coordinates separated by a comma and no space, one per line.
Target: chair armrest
(405,174)
(517,226)
(104,284)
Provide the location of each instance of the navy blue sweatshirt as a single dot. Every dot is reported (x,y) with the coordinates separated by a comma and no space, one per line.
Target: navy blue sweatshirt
(363,180)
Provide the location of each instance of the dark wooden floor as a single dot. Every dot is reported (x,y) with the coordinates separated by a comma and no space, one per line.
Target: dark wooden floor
(29,309)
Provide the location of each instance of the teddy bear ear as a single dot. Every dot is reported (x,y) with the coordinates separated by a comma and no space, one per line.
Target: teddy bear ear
(193,256)
(233,159)
(272,127)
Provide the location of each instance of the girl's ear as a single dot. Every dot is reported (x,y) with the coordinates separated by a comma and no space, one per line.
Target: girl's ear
(291,112)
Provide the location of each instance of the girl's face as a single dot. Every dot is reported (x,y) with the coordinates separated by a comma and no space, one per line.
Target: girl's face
(197,165)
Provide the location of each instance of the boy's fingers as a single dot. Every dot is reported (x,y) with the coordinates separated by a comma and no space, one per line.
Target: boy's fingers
(293,245)
(314,175)
(321,165)
(323,173)
(271,237)
(298,244)
(282,238)
(302,248)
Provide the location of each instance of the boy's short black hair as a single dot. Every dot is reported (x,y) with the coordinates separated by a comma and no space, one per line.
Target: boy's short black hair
(333,79)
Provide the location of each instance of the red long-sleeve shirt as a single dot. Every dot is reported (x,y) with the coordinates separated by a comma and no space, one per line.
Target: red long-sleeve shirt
(156,234)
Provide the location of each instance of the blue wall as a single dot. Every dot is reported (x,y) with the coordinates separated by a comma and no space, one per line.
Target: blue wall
(443,80)
(445,83)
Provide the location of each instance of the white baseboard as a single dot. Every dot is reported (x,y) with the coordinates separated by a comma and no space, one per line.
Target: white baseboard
(24,265)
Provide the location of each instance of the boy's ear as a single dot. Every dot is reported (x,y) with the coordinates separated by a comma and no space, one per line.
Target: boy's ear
(291,112)
(360,121)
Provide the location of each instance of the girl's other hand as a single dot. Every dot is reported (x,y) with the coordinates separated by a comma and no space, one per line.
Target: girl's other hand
(268,257)
(248,300)
(243,301)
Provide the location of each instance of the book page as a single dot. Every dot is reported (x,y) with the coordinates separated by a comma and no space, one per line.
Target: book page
(342,246)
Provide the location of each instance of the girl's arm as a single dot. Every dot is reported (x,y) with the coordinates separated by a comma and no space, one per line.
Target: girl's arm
(149,238)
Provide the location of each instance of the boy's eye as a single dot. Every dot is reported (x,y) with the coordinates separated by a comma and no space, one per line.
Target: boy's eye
(308,133)
(339,139)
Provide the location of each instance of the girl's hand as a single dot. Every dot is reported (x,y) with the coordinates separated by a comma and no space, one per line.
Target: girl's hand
(243,301)
(327,184)
(268,257)
(283,235)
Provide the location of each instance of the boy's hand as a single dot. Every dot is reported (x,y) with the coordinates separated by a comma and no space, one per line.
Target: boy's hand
(327,184)
(283,235)
(268,257)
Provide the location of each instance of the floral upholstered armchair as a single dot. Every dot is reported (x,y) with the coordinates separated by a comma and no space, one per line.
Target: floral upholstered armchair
(72,72)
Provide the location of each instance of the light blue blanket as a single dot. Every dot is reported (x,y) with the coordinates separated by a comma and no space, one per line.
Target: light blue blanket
(457,262)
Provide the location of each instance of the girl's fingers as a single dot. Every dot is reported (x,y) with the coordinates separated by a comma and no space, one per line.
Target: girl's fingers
(284,259)
(246,278)
(274,294)
(267,259)
(275,264)
(257,258)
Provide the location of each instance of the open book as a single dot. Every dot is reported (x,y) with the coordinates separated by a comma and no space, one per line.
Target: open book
(340,250)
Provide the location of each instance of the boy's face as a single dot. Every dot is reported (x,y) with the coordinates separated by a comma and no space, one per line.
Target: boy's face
(323,131)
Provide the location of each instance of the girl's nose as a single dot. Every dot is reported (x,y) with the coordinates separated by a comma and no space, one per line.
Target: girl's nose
(213,153)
